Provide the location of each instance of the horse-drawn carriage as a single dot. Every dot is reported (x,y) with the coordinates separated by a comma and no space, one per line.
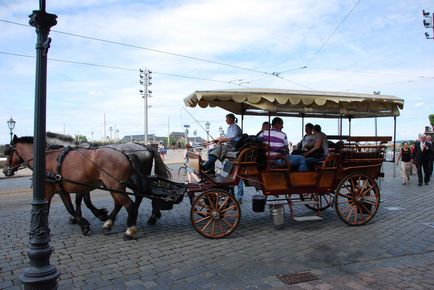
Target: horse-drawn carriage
(346,179)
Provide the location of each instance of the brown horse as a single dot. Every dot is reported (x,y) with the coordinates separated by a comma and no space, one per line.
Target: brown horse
(80,171)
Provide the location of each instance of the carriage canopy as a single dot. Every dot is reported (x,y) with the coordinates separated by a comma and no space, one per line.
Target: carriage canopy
(298,103)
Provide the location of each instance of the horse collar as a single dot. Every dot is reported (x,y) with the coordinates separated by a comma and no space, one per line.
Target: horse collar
(61,158)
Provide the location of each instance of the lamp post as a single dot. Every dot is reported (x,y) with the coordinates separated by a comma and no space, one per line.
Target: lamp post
(40,274)
(11,125)
(207,125)
(222,132)
(195,134)
(145,81)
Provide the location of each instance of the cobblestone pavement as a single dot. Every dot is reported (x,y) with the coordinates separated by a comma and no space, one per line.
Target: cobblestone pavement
(394,251)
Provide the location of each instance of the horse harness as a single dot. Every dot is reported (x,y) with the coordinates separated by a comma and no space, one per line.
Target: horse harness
(52,177)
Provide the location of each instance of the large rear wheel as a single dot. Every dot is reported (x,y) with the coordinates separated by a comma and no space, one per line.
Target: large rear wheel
(357,199)
(215,214)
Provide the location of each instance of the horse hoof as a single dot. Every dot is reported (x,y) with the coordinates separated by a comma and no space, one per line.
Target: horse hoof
(152,221)
(129,238)
(72,221)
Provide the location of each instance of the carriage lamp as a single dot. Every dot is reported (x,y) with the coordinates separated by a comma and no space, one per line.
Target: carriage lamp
(11,125)
(222,132)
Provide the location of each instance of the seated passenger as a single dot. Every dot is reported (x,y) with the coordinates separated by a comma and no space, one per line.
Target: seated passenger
(307,142)
(219,152)
(278,143)
(265,127)
(319,150)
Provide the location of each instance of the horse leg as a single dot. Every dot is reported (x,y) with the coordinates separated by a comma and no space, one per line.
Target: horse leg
(108,224)
(130,233)
(78,200)
(82,222)
(156,214)
(100,213)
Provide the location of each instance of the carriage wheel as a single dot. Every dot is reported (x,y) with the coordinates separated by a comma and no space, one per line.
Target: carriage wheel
(357,199)
(325,200)
(183,174)
(215,214)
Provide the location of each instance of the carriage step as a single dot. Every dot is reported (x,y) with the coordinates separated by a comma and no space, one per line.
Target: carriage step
(307,218)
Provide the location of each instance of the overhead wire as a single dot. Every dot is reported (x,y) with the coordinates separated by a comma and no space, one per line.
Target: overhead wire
(119,68)
(154,50)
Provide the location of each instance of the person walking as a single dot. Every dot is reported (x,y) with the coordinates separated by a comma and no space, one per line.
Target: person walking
(405,157)
(430,162)
(421,157)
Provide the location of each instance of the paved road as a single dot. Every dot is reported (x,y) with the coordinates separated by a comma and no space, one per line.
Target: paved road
(394,251)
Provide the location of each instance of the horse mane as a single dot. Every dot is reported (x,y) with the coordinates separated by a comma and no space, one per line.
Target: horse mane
(57,139)
(25,139)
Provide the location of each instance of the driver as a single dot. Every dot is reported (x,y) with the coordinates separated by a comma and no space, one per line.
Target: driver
(219,152)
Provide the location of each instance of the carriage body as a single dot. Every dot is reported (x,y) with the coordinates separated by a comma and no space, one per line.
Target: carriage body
(346,179)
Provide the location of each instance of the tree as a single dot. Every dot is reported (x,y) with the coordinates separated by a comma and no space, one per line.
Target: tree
(80,138)
(431,119)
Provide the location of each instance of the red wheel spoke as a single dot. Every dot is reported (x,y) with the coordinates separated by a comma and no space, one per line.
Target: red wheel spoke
(207,224)
(355,214)
(202,219)
(231,207)
(349,214)
(228,223)
(217,199)
(223,204)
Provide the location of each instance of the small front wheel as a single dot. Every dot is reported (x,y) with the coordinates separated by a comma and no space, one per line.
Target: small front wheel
(183,174)
(357,199)
(215,214)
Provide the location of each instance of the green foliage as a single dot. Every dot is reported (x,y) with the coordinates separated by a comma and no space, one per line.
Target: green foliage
(80,138)
(431,119)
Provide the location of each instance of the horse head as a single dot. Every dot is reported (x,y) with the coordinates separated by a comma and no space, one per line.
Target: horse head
(14,160)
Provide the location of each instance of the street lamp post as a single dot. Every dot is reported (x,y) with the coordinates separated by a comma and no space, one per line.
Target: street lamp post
(222,132)
(195,134)
(207,126)
(11,125)
(40,274)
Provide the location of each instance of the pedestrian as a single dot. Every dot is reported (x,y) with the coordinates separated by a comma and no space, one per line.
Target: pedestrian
(162,150)
(191,176)
(265,127)
(430,163)
(421,157)
(406,167)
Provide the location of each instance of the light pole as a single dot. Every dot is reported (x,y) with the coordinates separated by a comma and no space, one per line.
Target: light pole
(222,132)
(145,81)
(195,134)
(427,22)
(207,125)
(41,274)
(11,125)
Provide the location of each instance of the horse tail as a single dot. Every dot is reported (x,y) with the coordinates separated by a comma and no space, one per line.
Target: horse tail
(160,169)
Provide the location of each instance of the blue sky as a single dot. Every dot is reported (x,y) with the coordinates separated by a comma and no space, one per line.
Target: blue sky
(379,47)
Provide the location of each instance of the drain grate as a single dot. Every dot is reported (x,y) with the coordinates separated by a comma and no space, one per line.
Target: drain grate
(295,278)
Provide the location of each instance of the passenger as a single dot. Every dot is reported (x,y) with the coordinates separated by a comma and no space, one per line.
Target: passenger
(319,150)
(278,143)
(233,133)
(307,142)
(265,127)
